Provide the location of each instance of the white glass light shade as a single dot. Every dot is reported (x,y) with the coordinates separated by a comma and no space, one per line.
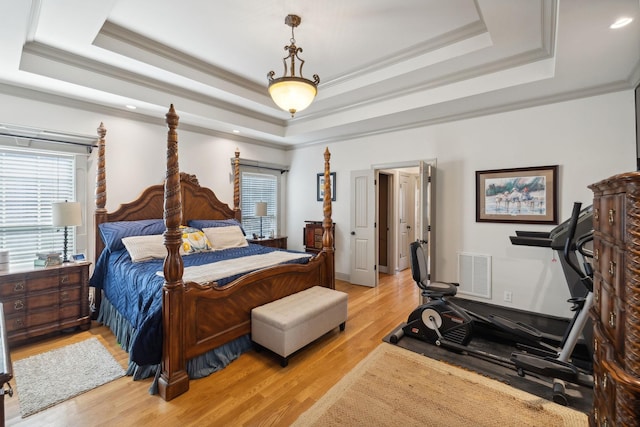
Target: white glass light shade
(66,214)
(261,208)
(292,94)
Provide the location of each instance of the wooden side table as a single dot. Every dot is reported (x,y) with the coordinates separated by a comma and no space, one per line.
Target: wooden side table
(41,300)
(279,242)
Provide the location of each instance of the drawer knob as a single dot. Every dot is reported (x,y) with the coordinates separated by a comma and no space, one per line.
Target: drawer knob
(612,320)
(19,286)
(64,296)
(19,323)
(64,279)
(612,268)
(612,214)
(18,305)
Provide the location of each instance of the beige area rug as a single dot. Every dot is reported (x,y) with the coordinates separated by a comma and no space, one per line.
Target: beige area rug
(393,386)
(52,377)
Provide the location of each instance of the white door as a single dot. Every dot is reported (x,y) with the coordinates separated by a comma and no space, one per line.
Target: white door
(363,229)
(405,219)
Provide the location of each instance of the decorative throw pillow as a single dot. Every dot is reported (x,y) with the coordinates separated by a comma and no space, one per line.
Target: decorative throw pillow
(225,237)
(211,223)
(113,232)
(193,241)
(144,248)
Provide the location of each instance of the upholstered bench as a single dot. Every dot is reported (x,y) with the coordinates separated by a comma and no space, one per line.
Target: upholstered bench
(288,324)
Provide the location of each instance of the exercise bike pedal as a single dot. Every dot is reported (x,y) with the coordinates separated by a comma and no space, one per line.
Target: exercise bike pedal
(547,366)
(518,328)
(536,351)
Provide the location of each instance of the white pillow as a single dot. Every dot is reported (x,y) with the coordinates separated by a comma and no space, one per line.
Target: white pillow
(225,237)
(144,248)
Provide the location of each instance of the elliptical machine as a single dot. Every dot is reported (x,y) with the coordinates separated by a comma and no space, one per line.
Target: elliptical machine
(445,324)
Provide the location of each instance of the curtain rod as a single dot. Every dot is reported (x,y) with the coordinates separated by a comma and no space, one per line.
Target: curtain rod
(259,165)
(57,141)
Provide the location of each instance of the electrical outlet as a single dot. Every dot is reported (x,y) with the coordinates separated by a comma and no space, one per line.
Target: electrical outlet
(508,297)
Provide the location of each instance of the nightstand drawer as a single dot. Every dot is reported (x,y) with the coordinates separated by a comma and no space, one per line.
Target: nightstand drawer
(15,323)
(42,317)
(69,295)
(14,305)
(13,287)
(70,311)
(42,300)
(72,278)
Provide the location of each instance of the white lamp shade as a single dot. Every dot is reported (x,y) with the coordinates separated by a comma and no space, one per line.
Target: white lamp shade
(66,214)
(261,208)
(292,94)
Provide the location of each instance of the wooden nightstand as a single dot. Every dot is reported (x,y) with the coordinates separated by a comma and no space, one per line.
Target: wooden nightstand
(279,242)
(38,301)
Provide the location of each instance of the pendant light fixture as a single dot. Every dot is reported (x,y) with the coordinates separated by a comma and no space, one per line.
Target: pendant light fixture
(290,92)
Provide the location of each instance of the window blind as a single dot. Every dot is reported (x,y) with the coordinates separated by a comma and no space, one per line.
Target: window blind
(30,181)
(259,187)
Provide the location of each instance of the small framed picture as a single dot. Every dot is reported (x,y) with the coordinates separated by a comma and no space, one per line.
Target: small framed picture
(78,258)
(320,186)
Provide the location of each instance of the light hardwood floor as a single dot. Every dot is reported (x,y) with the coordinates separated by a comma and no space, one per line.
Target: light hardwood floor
(252,391)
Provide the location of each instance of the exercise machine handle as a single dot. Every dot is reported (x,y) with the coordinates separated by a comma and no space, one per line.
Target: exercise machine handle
(586,280)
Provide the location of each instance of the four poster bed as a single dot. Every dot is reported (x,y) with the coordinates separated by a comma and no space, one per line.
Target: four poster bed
(178,329)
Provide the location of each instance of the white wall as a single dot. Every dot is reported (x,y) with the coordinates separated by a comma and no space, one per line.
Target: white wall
(589,138)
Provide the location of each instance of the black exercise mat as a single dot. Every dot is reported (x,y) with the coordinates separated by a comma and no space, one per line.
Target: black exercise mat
(580,398)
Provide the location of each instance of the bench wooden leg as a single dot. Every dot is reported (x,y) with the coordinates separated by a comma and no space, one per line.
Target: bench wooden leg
(284,362)
(343,325)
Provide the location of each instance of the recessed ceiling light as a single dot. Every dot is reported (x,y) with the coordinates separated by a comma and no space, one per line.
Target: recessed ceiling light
(236,131)
(621,22)
(131,107)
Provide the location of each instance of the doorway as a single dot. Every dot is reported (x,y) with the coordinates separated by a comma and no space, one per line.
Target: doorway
(397,217)
(391,206)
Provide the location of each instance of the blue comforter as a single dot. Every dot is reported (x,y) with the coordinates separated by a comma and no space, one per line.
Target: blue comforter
(135,291)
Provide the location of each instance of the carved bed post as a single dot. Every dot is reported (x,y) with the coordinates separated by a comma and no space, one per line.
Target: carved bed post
(100,213)
(174,379)
(101,188)
(327,223)
(236,186)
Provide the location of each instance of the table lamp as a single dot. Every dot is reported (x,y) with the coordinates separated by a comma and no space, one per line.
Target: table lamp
(261,210)
(66,214)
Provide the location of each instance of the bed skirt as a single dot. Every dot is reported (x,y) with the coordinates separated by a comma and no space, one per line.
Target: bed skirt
(198,367)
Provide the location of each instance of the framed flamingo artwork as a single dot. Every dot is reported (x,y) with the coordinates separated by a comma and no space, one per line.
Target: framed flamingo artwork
(524,195)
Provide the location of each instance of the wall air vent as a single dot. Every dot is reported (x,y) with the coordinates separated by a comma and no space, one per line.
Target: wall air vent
(474,274)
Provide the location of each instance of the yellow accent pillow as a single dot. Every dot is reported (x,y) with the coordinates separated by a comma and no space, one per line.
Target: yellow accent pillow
(193,241)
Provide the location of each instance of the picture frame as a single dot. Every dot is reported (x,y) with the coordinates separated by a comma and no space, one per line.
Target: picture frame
(518,195)
(320,186)
(79,257)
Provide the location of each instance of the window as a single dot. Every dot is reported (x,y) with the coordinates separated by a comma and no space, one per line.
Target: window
(30,181)
(258,185)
